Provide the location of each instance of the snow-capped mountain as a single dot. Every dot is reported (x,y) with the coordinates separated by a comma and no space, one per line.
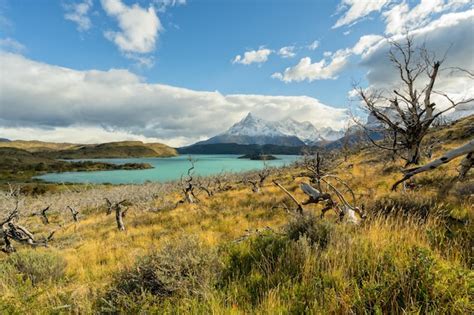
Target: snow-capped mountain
(286,132)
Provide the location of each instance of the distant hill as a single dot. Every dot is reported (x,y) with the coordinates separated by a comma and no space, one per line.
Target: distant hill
(4,140)
(123,149)
(21,165)
(234,148)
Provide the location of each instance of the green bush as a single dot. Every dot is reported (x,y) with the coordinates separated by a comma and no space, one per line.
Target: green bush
(34,266)
(317,231)
(182,269)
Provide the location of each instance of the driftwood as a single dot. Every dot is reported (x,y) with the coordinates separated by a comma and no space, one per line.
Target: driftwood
(120,210)
(466,164)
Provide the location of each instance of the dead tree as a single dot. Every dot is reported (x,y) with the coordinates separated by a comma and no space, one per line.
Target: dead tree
(205,185)
(43,215)
(74,213)
(466,163)
(120,210)
(253,182)
(188,186)
(10,231)
(407,113)
(316,166)
(259,181)
(221,182)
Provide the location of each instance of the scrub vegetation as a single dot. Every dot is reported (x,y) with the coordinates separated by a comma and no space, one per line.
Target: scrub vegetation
(225,247)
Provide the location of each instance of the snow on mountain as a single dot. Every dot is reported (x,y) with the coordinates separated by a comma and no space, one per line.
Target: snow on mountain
(253,126)
(303,130)
(288,132)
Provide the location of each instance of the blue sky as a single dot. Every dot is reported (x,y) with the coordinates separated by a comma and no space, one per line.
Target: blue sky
(194,45)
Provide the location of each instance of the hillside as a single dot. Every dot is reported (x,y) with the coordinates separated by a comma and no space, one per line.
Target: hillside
(234,148)
(240,252)
(17,165)
(122,149)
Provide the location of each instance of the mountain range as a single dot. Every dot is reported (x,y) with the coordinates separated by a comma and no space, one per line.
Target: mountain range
(286,132)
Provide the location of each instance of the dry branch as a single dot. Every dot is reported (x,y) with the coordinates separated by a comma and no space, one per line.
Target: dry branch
(468,148)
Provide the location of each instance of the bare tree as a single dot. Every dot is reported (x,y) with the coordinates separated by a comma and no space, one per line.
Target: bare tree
(74,213)
(325,187)
(258,181)
(407,113)
(188,185)
(120,208)
(43,215)
(11,230)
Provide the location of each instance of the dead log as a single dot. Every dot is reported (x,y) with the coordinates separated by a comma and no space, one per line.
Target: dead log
(466,149)
(299,206)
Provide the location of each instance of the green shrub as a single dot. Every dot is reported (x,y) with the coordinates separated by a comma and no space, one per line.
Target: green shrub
(317,231)
(35,266)
(182,269)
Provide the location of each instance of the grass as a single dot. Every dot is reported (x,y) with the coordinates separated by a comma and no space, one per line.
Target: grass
(235,253)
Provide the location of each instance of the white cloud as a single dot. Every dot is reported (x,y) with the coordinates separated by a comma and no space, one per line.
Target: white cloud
(139,27)
(118,104)
(162,5)
(448,34)
(354,10)
(78,13)
(400,18)
(253,56)
(287,52)
(321,70)
(11,45)
(313,45)
(365,43)
(330,66)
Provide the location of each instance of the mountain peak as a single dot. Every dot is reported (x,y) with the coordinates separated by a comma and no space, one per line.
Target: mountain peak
(248,118)
(288,131)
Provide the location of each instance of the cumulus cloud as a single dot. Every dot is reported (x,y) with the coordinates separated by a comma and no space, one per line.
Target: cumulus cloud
(366,42)
(321,70)
(11,45)
(139,27)
(401,18)
(253,56)
(447,34)
(78,13)
(287,52)
(330,66)
(47,99)
(354,10)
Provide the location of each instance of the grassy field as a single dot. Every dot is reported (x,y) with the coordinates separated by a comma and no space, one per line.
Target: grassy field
(239,252)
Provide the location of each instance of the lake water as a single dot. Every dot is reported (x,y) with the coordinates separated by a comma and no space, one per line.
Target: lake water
(165,169)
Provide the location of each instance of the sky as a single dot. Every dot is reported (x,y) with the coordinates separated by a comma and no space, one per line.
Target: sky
(179,71)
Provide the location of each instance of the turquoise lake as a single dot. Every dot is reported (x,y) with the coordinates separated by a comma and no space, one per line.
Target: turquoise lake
(166,169)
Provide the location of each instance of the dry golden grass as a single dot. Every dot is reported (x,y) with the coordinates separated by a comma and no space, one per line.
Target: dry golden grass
(95,251)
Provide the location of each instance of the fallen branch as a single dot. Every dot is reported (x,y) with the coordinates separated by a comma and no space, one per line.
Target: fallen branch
(299,208)
(468,148)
